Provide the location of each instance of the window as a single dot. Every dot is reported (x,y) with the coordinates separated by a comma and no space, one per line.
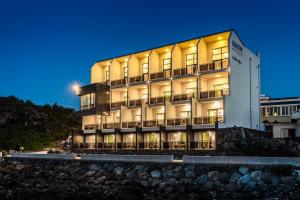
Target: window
(276,111)
(285,110)
(220,53)
(145,68)
(166,64)
(191,59)
(185,115)
(87,101)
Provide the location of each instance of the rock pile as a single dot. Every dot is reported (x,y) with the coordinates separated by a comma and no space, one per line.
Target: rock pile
(50,179)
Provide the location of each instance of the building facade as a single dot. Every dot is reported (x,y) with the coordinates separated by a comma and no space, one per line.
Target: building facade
(279,116)
(171,97)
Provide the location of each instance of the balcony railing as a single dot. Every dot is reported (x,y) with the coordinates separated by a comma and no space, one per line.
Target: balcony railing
(117,105)
(130,124)
(135,103)
(126,145)
(207,120)
(178,122)
(190,69)
(215,65)
(90,146)
(159,100)
(152,123)
(118,82)
(111,125)
(138,79)
(87,107)
(108,145)
(90,127)
(174,145)
(203,145)
(213,93)
(183,97)
(160,75)
(149,145)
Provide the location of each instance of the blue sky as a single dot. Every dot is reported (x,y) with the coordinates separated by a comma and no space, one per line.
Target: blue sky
(47,45)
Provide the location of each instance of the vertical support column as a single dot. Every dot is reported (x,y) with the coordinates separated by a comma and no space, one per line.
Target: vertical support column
(160,142)
(136,137)
(216,134)
(84,140)
(96,140)
(115,140)
(188,131)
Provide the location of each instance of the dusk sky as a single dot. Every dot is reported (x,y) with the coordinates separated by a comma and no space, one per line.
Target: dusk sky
(47,45)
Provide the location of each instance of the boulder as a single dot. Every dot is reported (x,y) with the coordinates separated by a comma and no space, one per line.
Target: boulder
(243,170)
(245,179)
(224,176)
(155,174)
(234,177)
(250,186)
(118,171)
(256,175)
(213,176)
(202,179)
(100,179)
(207,186)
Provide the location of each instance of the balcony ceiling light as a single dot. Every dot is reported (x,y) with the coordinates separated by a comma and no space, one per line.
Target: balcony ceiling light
(192,44)
(146,54)
(167,50)
(220,38)
(218,75)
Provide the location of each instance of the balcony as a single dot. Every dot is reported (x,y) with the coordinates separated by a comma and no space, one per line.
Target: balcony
(106,145)
(161,75)
(111,125)
(178,122)
(207,120)
(138,79)
(153,123)
(148,145)
(89,127)
(213,94)
(158,100)
(118,82)
(117,105)
(203,145)
(130,124)
(174,145)
(183,97)
(191,69)
(87,107)
(215,65)
(89,145)
(135,103)
(126,145)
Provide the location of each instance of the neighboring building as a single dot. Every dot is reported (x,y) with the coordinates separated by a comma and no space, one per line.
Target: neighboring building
(279,116)
(171,97)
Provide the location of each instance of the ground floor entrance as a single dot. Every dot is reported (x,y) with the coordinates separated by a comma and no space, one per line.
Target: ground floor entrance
(160,140)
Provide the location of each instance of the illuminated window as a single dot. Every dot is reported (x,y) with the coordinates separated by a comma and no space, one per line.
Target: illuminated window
(87,101)
(191,59)
(166,64)
(220,53)
(145,68)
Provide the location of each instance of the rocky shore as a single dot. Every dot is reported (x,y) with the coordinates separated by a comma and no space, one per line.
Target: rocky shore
(57,179)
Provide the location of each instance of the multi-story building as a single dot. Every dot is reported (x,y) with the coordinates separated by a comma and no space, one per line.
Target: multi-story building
(279,115)
(174,96)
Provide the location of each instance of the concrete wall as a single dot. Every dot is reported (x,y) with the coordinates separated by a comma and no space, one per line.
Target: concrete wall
(177,57)
(153,62)
(202,52)
(242,105)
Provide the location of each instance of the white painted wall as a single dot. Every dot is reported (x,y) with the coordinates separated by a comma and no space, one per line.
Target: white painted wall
(242,105)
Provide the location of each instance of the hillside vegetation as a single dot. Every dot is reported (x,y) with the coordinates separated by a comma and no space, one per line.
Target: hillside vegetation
(32,126)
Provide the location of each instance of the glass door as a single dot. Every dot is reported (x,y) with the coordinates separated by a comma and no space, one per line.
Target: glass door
(212,114)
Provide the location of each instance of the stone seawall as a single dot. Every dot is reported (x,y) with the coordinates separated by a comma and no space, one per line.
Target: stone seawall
(66,179)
